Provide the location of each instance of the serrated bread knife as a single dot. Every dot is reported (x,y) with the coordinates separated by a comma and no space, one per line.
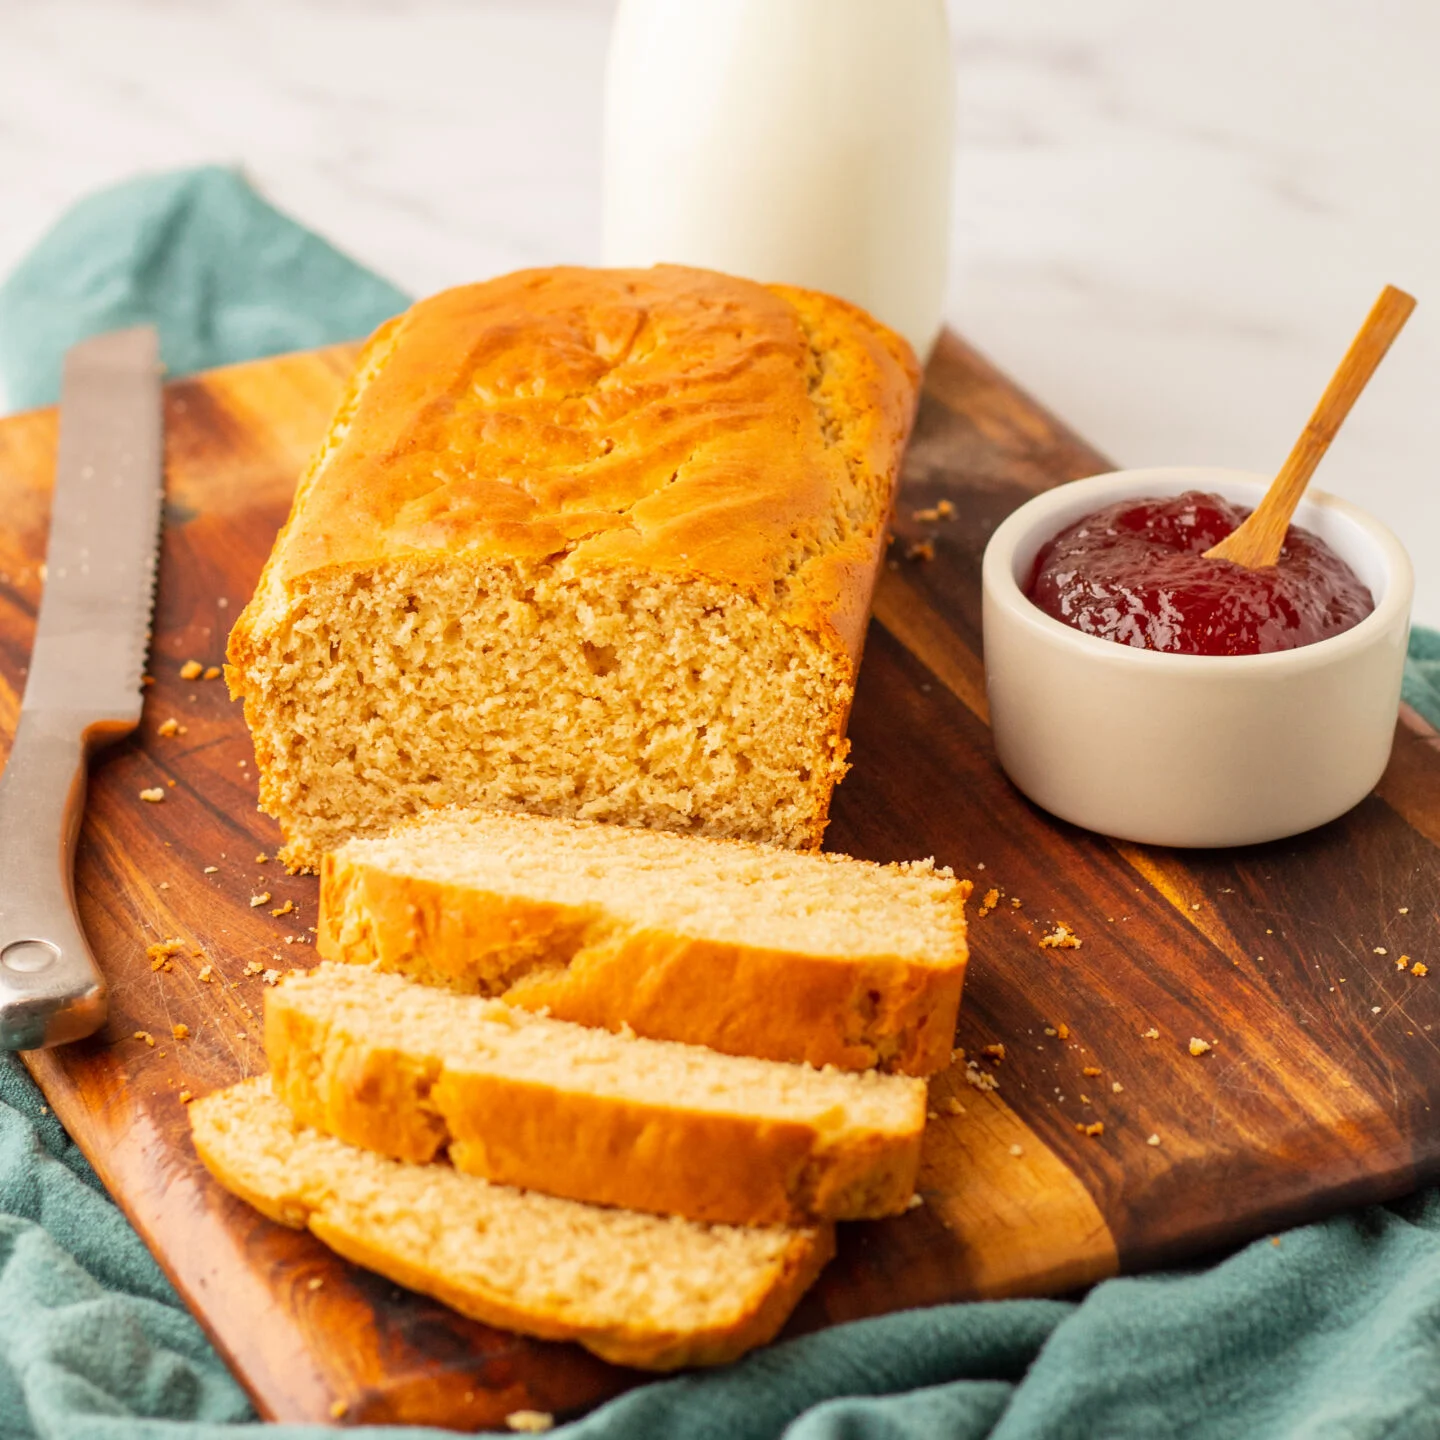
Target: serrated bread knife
(83,687)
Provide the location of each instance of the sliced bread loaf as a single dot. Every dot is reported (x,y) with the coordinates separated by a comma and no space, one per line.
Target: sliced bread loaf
(586,542)
(546,1105)
(636,1289)
(745,948)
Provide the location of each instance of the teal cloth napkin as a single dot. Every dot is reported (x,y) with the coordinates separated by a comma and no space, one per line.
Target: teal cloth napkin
(1334,1331)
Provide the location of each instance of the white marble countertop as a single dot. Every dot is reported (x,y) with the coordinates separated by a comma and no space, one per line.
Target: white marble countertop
(1170,218)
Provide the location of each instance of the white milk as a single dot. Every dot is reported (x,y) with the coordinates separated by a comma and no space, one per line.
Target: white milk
(798,141)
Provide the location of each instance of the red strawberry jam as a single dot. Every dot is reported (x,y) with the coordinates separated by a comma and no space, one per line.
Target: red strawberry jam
(1136,573)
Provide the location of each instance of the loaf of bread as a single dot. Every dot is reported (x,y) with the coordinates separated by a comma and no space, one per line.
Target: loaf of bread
(636,1289)
(410,1071)
(748,949)
(587,543)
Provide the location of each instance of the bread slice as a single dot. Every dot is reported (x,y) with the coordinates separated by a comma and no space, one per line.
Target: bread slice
(588,542)
(378,1061)
(747,949)
(636,1289)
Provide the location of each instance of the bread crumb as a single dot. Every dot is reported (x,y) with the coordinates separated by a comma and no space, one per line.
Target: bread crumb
(1016,1150)
(914,1202)
(284,909)
(1402,962)
(1198,1046)
(1061,938)
(191,670)
(1404,909)
(1151,1034)
(212,672)
(1381,950)
(932,1114)
(980,1079)
(161,952)
(262,857)
(1093,1131)
(1014,902)
(154,795)
(1153,1140)
(253,967)
(211,870)
(941,510)
(338,1409)
(995,1052)
(185,1097)
(1063,1030)
(170,727)
(263,898)
(1420,968)
(1116,1088)
(1092,1070)
(1084,1099)
(952,1106)
(920,550)
(314,1282)
(530,1422)
(1051,1030)
(146,1036)
(180,1031)
(270,977)
(990,901)
(206,971)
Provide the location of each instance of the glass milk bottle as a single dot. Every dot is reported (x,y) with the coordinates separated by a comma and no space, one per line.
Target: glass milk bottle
(805,142)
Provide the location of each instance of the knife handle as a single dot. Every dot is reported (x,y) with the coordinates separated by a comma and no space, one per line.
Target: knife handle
(51,989)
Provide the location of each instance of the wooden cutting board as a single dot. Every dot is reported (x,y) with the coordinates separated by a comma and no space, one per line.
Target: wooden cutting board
(1316,1094)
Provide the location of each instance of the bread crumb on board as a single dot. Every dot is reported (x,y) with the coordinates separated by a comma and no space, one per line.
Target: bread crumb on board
(1151,1034)
(1094,1131)
(980,1079)
(1153,1140)
(1016,1150)
(284,909)
(920,550)
(170,727)
(1198,1046)
(191,670)
(146,1036)
(530,1422)
(212,672)
(942,510)
(154,795)
(161,954)
(185,1097)
(263,898)
(1420,968)
(1061,938)
(180,1031)
(1091,1070)
(989,902)
(952,1106)
(995,1052)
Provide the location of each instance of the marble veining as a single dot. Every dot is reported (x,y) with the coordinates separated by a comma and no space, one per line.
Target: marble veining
(1169,218)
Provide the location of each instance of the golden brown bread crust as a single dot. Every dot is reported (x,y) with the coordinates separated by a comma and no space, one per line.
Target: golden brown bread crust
(536,416)
(889,1011)
(400,1251)
(564,1140)
(539,419)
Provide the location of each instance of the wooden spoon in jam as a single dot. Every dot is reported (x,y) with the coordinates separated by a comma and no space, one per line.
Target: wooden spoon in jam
(1256,542)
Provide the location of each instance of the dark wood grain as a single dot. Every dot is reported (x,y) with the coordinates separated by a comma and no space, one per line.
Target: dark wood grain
(1316,1093)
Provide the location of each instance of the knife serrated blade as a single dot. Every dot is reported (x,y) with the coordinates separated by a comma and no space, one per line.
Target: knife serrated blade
(83,687)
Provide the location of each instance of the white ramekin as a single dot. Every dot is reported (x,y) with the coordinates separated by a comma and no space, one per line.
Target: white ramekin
(1192,750)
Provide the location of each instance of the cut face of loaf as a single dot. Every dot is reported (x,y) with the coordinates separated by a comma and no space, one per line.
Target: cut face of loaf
(544,1105)
(747,949)
(636,1289)
(586,543)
